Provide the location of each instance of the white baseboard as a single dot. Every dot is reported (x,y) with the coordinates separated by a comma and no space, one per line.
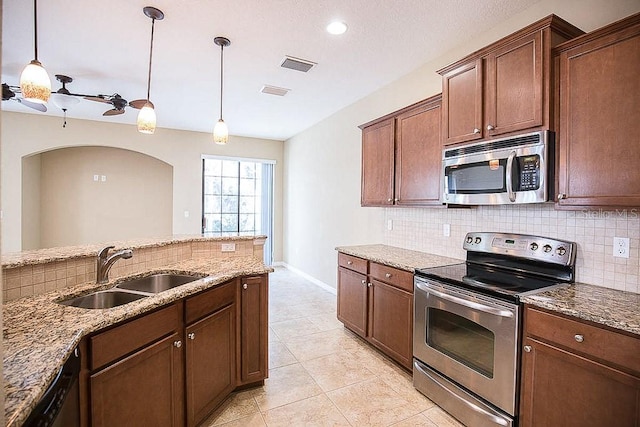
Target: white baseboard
(312,279)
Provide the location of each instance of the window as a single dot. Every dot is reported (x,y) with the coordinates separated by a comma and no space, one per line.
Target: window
(237,199)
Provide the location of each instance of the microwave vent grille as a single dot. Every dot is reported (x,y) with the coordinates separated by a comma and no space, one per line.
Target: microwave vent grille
(493,145)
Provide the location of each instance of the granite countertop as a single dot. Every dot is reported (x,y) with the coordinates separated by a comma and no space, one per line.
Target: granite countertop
(39,334)
(605,306)
(404,259)
(43,256)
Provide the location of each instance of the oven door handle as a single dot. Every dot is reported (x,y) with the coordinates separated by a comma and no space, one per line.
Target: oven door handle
(475,408)
(464,302)
(509,175)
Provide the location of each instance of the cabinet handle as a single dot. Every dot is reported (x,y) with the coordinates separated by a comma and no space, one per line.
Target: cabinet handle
(389,200)
(364,282)
(476,131)
(369,284)
(177,344)
(388,275)
(578,337)
(349,262)
(245,286)
(191,336)
(527,349)
(397,200)
(562,196)
(490,127)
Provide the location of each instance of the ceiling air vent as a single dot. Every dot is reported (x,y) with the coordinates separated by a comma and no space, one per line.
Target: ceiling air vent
(297,64)
(274,90)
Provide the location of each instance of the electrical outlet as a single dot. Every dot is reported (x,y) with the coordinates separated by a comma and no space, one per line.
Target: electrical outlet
(621,247)
(446,230)
(228,247)
(389,224)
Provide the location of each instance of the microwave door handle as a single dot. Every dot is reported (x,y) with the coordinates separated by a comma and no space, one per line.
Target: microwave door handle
(509,174)
(469,304)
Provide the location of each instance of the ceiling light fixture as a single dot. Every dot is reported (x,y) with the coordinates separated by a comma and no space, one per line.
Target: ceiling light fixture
(147,115)
(337,28)
(221,131)
(63,98)
(35,84)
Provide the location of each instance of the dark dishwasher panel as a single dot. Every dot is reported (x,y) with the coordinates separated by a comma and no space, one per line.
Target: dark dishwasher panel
(60,404)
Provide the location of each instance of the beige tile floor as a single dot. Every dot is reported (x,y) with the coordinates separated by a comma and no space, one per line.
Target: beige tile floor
(321,374)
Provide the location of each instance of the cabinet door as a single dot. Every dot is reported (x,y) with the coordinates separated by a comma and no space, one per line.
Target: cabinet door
(562,389)
(462,103)
(352,300)
(254,329)
(145,387)
(391,321)
(599,102)
(513,96)
(419,156)
(378,164)
(210,356)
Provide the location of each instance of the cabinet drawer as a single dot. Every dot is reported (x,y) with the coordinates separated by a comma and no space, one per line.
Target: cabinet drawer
(209,301)
(352,263)
(600,343)
(111,345)
(399,278)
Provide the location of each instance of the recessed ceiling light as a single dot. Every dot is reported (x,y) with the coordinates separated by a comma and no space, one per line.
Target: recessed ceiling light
(337,28)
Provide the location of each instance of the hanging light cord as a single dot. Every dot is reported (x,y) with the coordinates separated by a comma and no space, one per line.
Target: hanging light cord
(221,63)
(153,23)
(35,27)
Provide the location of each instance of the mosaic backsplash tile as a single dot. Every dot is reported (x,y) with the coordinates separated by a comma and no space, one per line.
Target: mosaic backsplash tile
(593,230)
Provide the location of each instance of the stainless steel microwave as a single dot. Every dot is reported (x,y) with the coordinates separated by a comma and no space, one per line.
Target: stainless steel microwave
(516,169)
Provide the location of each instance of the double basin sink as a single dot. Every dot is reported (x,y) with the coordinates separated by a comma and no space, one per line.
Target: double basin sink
(129,291)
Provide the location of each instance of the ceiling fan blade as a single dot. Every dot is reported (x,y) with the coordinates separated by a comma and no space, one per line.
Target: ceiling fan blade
(98,98)
(138,103)
(34,105)
(113,112)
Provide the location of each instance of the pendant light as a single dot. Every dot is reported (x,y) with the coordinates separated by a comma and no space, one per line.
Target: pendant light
(221,131)
(147,115)
(35,84)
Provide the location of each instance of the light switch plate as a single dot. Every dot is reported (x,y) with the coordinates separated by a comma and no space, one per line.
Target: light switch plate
(446,230)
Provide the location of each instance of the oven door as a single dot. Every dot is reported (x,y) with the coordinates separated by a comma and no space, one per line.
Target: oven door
(470,338)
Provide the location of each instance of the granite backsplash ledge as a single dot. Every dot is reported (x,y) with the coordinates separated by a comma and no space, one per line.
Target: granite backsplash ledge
(36,272)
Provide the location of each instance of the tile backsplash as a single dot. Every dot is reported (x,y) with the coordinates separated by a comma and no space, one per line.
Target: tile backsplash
(593,230)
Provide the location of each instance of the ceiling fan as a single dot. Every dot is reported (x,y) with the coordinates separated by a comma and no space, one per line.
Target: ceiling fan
(117,101)
(10,93)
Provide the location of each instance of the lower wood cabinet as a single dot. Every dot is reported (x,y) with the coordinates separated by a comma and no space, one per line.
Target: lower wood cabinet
(376,302)
(175,365)
(576,374)
(254,329)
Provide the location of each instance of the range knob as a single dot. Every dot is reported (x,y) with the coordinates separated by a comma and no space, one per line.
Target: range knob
(546,248)
(533,246)
(561,251)
(469,239)
(478,240)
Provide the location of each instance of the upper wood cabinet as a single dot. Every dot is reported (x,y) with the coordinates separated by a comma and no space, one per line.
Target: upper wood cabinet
(599,103)
(505,87)
(401,156)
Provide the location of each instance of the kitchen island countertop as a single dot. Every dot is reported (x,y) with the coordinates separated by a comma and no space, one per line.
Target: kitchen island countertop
(39,334)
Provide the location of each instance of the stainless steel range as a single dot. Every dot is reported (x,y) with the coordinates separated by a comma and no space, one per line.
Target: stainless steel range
(466,335)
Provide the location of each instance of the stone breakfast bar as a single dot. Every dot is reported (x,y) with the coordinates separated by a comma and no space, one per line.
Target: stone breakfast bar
(39,334)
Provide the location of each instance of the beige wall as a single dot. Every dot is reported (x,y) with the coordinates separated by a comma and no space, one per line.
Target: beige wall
(134,201)
(28,134)
(322,182)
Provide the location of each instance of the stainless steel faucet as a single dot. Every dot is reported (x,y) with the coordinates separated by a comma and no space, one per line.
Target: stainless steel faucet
(104,262)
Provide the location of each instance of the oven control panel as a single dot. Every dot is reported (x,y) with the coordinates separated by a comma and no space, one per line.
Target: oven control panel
(523,246)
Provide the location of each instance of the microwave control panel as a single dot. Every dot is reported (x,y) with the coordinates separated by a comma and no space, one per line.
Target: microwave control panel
(529,167)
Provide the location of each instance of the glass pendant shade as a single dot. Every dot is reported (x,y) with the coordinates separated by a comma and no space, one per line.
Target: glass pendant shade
(221,133)
(35,84)
(147,119)
(64,102)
